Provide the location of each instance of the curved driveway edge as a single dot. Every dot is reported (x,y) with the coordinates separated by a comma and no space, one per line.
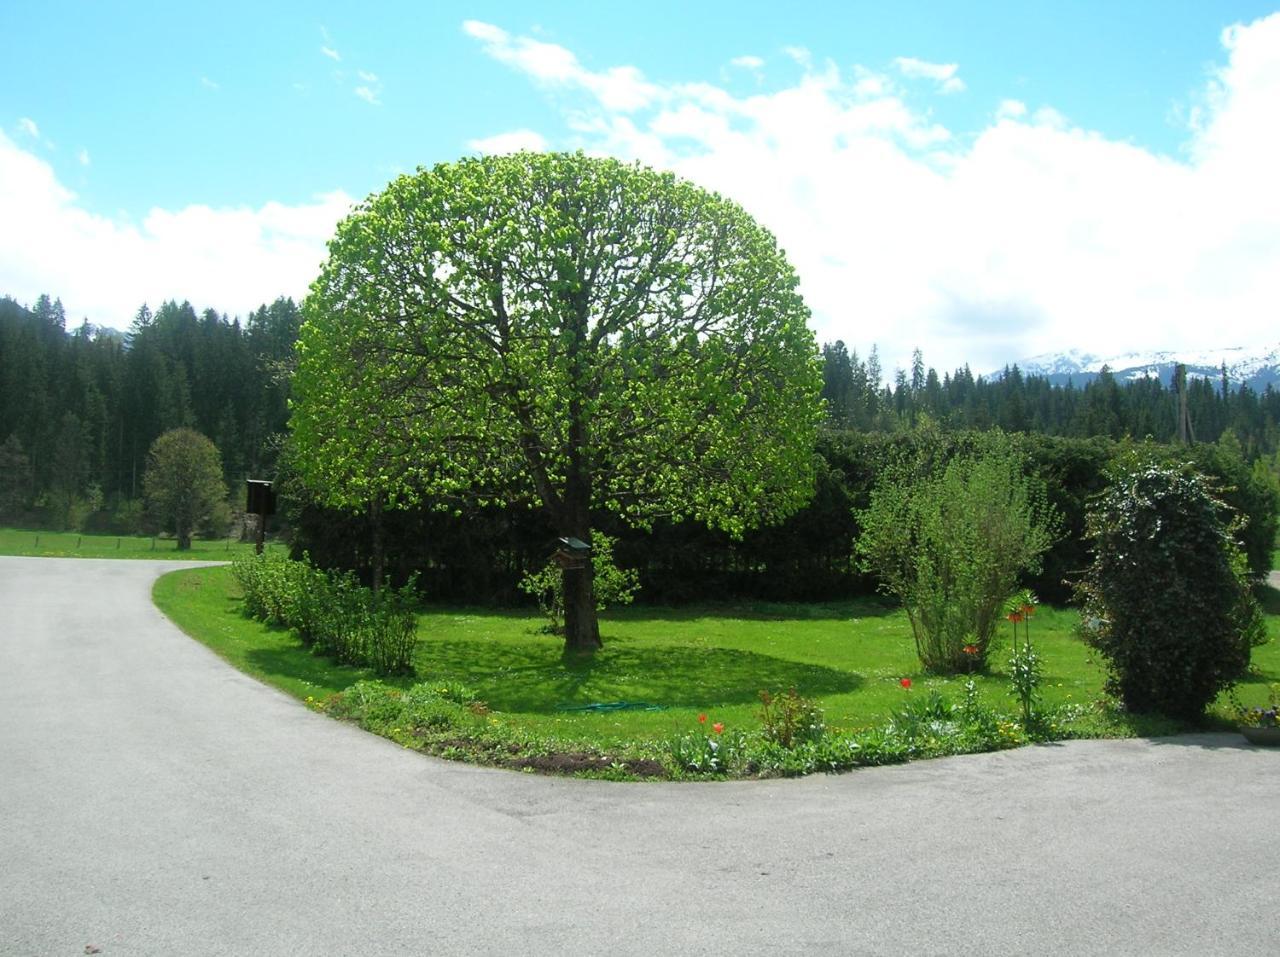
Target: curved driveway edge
(153,800)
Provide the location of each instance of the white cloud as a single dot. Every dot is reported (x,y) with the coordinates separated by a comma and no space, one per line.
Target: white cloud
(83,156)
(209,84)
(944,74)
(370,90)
(747,62)
(869,84)
(623,89)
(229,259)
(28,126)
(512,142)
(328,48)
(1011,110)
(801,55)
(1027,235)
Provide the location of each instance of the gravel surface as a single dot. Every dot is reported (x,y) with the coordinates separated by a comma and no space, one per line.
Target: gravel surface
(155,801)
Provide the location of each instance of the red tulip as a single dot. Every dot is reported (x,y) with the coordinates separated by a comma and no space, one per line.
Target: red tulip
(905,682)
(718,727)
(702,719)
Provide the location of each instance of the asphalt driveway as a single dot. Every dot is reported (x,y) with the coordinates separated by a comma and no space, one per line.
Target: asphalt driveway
(155,801)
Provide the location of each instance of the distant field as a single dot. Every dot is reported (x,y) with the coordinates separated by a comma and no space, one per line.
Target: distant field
(73,545)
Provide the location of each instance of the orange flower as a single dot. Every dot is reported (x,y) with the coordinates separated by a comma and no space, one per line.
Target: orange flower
(970,649)
(702,719)
(1015,616)
(1028,610)
(718,727)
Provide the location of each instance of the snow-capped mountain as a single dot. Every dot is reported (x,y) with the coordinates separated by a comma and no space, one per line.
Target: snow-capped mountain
(1256,368)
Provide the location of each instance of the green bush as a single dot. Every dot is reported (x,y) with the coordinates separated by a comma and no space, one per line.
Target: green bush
(611,585)
(272,585)
(332,612)
(787,719)
(424,709)
(1167,598)
(950,540)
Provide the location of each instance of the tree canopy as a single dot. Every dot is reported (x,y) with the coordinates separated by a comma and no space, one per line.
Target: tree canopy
(565,331)
(183,482)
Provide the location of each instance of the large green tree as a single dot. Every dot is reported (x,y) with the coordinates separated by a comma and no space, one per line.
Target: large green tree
(575,333)
(183,482)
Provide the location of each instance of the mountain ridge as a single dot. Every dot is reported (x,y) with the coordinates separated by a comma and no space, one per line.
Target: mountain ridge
(1257,368)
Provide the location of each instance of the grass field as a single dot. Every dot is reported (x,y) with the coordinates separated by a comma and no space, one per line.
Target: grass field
(714,659)
(74,545)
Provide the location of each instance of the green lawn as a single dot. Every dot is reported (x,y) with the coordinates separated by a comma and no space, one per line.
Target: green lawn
(74,545)
(850,656)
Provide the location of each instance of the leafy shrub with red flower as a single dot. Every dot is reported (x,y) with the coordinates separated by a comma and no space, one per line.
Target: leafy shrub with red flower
(950,540)
(788,719)
(715,753)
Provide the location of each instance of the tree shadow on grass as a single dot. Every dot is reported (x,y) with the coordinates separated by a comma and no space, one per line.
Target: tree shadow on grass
(1223,739)
(1269,598)
(869,607)
(746,610)
(537,678)
(297,663)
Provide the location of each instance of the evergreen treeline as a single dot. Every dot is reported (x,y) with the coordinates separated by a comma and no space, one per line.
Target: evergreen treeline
(79,409)
(857,398)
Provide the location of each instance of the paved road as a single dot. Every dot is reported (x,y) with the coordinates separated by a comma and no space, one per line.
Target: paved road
(154,801)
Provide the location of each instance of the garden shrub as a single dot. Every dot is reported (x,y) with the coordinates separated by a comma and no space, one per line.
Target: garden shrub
(611,585)
(422,709)
(272,585)
(949,540)
(1167,598)
(332,612)
(788,719)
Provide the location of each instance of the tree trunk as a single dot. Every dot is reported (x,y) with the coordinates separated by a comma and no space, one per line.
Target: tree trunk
(379,550)
(184,539)
(581,627)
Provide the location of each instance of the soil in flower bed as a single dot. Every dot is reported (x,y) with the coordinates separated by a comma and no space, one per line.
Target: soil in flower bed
(573,762)
(557,762)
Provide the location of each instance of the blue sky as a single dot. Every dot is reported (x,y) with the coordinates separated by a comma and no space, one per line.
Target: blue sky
(984,181)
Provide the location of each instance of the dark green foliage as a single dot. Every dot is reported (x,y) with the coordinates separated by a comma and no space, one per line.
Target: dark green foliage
(479,555)
(15,478)
(1252,499)
(85,405)
(1166,599)
(332,612)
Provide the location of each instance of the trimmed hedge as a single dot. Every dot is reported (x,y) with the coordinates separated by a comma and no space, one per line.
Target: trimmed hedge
(332,612)
(480,555)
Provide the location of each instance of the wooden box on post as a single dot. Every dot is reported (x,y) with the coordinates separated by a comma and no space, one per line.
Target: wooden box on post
(260,500)
(571,553)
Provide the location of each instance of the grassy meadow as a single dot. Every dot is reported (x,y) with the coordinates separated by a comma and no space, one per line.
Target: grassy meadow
(661,668)
(43,544)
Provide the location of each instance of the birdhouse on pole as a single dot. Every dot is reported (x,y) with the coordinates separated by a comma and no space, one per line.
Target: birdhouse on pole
(260,500)
(571,553)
